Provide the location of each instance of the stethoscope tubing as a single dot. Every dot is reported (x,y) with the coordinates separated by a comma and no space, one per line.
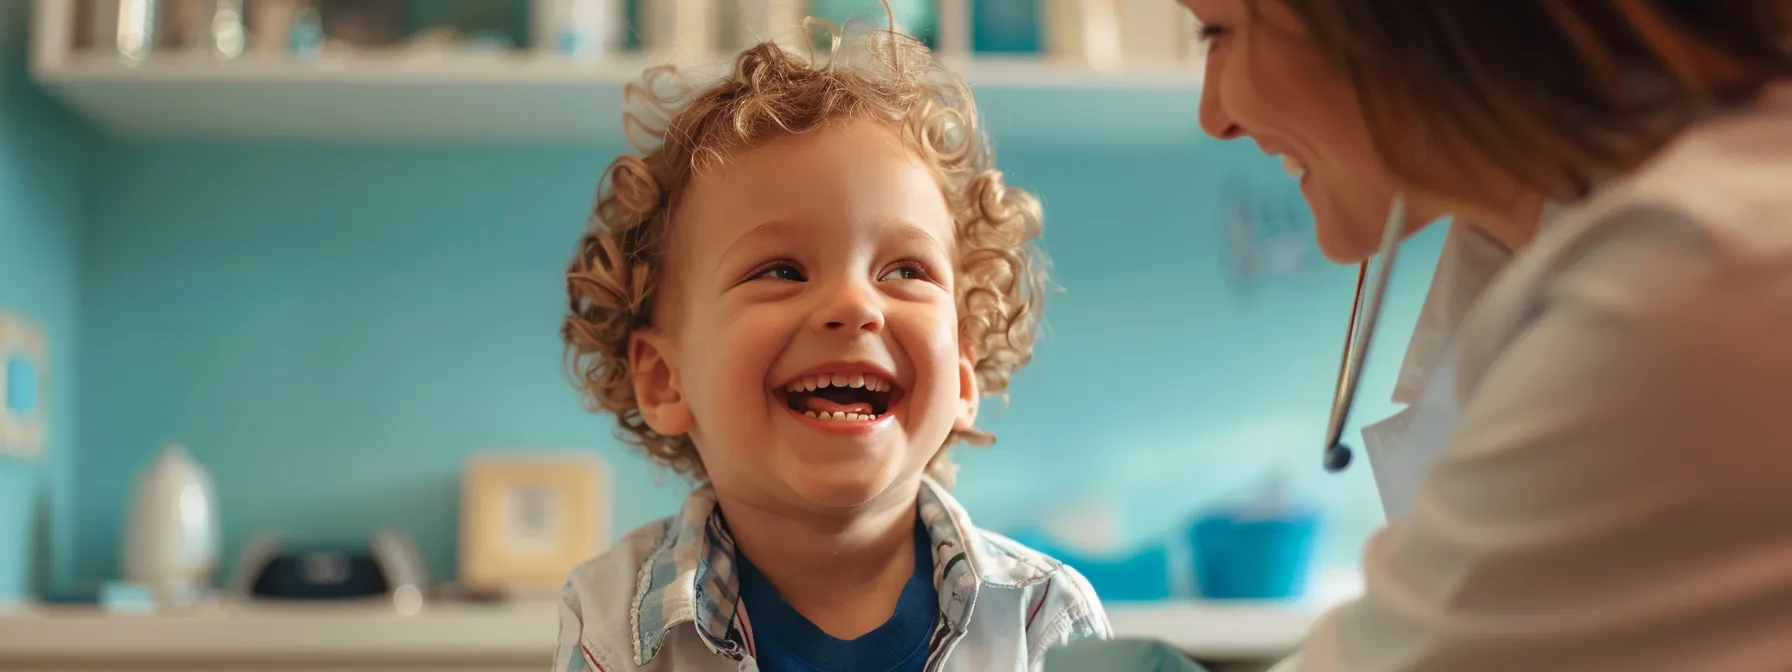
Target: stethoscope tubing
(1365,311)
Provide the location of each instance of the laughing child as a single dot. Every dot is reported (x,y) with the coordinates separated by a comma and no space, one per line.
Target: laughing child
(796,297)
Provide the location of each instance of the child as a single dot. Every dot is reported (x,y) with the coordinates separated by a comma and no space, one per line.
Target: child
(796,298)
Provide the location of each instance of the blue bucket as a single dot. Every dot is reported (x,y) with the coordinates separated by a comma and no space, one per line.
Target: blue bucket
(1255,558)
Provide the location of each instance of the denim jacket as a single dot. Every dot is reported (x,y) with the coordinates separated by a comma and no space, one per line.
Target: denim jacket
(666,597)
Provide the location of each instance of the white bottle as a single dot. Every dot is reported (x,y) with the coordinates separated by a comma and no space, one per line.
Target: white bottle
(126,28)
(219,30)
(172,534)
(576,28)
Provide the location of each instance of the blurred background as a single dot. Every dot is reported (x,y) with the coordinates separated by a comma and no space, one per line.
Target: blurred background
(300,262)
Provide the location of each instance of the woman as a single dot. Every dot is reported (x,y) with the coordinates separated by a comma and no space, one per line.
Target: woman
(1595,468)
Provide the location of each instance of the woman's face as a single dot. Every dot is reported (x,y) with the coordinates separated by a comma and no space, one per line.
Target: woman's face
(1265,81)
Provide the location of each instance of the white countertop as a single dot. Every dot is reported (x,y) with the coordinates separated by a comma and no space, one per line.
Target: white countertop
(522,631)
(359,631)
(1217,631)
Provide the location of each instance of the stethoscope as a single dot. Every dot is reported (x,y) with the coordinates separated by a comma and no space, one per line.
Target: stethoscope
(1361,332)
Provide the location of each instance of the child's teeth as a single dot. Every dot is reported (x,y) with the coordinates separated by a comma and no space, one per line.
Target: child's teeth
(823,381)
(838,416)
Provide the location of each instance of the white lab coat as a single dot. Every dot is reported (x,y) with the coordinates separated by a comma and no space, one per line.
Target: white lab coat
(1595,468)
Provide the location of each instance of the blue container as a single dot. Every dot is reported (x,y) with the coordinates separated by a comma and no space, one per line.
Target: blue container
(915,17)
(1006,26)
(1254,558)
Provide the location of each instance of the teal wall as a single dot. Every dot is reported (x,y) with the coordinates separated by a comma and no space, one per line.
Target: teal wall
(44,157)
(332,330)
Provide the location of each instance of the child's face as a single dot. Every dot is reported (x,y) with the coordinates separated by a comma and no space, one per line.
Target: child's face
(827,256)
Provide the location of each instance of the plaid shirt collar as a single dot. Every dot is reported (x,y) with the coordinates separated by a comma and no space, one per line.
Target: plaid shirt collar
(691,578)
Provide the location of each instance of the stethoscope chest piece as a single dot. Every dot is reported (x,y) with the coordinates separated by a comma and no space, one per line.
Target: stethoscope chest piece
(1337,457)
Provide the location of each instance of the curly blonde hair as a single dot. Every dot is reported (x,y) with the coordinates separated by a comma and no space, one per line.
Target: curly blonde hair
(769,93)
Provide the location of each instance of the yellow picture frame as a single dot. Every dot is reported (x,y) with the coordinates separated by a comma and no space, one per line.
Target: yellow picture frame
(24,392)
(527,519)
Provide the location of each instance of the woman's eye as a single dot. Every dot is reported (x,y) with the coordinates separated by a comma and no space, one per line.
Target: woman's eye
(1208,33)
(785,272)
(905,272)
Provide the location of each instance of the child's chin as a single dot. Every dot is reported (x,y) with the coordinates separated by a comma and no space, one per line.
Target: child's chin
(841,487)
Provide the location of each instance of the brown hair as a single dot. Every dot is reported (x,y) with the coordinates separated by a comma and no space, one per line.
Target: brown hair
(770,93)
(1556,94)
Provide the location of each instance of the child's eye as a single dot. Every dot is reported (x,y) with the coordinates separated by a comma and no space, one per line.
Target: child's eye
(779,271)
(907,271)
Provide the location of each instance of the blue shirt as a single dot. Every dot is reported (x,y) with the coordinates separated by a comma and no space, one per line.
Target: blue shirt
(785,641)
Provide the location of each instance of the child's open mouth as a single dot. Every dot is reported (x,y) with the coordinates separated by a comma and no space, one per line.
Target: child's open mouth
(841,397)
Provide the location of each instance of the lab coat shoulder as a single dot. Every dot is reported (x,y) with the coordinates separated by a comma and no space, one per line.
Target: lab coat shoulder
(1613,492)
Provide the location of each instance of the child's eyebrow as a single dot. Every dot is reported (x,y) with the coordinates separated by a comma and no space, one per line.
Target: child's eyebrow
(910,231)
(775,229)
(901,230)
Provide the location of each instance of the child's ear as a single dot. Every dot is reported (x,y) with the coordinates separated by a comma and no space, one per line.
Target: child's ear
(658,391)
(968,396)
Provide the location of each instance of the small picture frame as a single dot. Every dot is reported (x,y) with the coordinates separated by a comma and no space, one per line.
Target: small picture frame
(24,365)
(528,519)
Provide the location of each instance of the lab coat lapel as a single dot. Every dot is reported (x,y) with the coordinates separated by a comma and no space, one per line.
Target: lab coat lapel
(1401,446)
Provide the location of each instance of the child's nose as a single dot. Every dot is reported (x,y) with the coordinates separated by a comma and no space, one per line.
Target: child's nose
(852,306)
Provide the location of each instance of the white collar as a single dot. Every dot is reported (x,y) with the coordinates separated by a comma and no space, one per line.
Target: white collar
(1468,264)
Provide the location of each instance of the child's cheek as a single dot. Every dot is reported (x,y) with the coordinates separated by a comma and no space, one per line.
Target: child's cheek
(746,349)
(929,332)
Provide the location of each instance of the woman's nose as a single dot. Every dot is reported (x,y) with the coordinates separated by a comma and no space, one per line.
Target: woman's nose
(1215,121)
(852,306)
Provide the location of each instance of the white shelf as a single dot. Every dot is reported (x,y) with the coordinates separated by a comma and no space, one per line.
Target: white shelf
(436,94)
(1241,632)
(513,634)
(492,97)
(343,634)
